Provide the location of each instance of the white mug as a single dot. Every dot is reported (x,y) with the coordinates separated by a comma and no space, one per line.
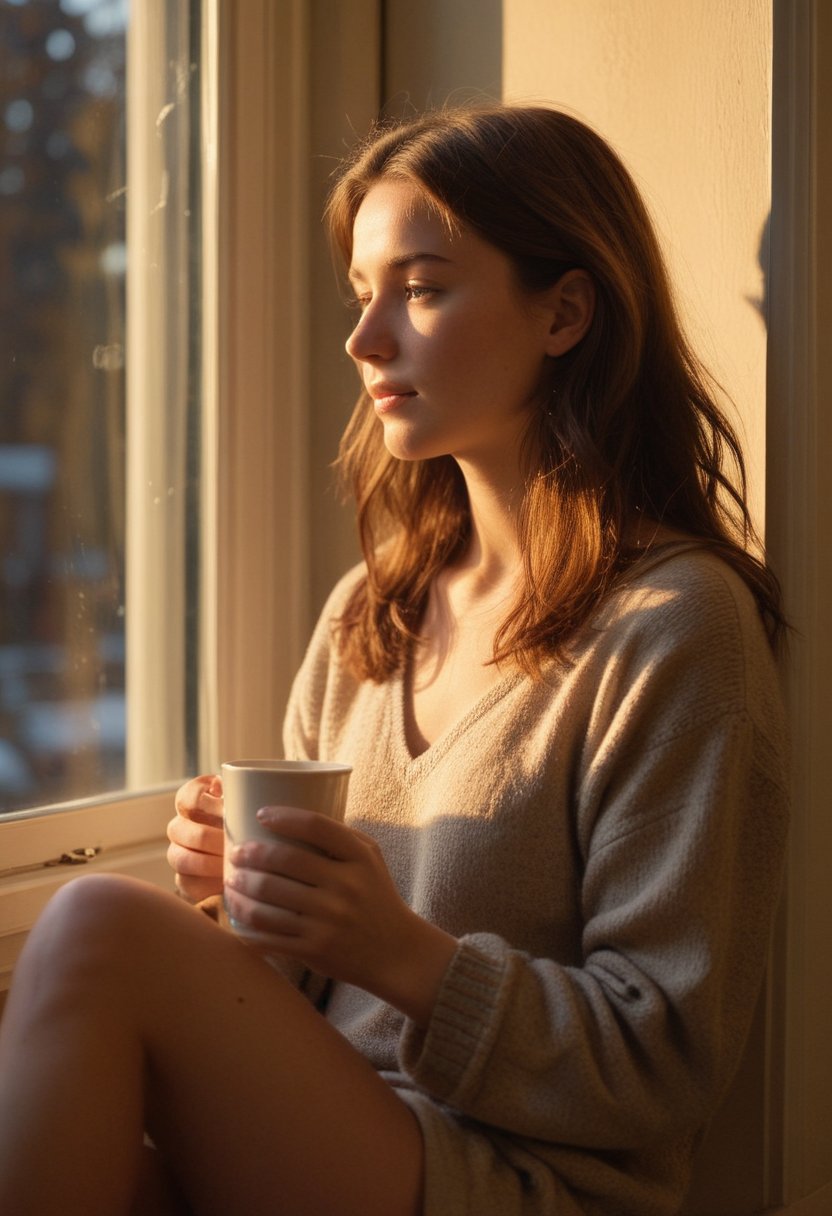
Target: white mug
(248,785)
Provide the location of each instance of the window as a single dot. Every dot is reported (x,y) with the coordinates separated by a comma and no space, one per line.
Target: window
(62,244)
(99,444)
(215,606)
(107,155)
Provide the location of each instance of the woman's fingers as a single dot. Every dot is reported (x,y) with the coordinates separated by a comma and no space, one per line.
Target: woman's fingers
(195,848)
(311,828)
(286,858)
(336,908)
(196,837)
(197,824)
(275,920)
(200,799)
(276,890)
(194,890)
(190,861)
(190,834)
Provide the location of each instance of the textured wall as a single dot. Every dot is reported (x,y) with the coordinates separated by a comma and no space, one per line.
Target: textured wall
(683,91)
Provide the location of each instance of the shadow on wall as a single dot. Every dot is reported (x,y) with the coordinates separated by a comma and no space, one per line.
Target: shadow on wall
(760,303)
(435,53)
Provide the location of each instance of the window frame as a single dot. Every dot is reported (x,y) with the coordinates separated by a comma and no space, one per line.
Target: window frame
(798,521)
(254,614)
(127,833)
(164,120)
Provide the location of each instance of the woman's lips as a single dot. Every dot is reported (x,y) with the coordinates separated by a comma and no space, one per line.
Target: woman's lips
(387,397)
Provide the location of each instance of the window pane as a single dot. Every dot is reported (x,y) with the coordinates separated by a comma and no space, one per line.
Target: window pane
(63,372)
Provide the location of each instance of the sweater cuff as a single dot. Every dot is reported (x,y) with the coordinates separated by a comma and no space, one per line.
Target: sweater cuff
(447,1057)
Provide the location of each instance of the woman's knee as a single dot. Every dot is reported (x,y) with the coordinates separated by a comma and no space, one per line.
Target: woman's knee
(92,919)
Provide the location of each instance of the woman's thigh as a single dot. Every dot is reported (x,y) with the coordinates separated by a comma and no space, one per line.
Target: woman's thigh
(157,1193)
(255,1101)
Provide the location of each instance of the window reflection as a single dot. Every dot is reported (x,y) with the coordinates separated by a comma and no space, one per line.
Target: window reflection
(62,415)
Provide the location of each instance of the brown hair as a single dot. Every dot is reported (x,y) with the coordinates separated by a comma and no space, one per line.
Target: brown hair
(628,421)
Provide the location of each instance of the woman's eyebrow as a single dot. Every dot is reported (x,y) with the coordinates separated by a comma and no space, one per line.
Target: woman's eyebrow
(399,263)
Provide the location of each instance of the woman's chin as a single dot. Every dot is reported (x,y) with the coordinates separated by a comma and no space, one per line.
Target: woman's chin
(404,446)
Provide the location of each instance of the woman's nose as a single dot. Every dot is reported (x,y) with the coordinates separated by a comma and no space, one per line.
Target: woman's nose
(372,337)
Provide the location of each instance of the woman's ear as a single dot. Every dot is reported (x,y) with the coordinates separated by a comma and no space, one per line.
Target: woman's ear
(571,308)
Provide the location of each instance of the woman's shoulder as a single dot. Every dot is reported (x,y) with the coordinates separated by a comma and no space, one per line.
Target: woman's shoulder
(319,677)
(341,593)
(320,652)
(344,587)
(688,586)
(684,620)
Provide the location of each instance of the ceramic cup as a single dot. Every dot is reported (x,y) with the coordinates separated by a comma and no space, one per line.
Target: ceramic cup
(248,785)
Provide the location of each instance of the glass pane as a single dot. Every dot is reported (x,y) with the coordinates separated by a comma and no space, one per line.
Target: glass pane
(63,419)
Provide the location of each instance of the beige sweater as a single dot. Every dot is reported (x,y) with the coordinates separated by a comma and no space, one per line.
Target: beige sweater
(607,847)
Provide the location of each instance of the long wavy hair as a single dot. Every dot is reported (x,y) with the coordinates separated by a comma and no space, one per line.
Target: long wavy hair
(627,424)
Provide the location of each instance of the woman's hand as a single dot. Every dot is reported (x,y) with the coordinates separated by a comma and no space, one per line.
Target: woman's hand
(197,839)
(336,909)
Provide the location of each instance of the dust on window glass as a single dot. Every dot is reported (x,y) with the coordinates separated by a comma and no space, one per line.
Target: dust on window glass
(63,261)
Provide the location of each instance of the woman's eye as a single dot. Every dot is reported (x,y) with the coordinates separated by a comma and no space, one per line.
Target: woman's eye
(414,292)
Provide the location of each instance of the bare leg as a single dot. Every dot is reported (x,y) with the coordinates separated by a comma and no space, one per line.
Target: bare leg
(157,1193)
(129,1006)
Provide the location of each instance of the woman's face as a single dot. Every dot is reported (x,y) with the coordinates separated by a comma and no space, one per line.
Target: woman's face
(448,345)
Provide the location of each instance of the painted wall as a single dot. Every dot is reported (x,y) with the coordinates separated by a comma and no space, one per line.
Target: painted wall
(683,91)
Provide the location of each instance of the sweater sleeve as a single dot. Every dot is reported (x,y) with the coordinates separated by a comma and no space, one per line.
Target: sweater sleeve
(681,816)
(309,699)
(301,741)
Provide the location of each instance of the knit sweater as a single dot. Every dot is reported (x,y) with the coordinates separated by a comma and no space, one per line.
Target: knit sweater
(606,845)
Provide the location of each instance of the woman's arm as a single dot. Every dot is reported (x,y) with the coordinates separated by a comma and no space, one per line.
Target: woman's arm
(680,824)
(642,1038)
(322,894)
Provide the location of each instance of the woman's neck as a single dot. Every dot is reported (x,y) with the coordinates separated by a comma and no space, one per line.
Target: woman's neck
(492,557)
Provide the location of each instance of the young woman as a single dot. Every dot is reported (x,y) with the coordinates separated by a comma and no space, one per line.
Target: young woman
(518,979)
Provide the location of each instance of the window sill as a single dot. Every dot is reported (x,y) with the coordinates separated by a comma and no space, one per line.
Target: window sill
(127,834)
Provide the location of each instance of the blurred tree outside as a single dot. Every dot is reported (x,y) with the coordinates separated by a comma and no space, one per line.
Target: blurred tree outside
(62,398)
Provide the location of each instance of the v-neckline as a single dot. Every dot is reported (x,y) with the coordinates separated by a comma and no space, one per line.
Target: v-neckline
(428,755)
